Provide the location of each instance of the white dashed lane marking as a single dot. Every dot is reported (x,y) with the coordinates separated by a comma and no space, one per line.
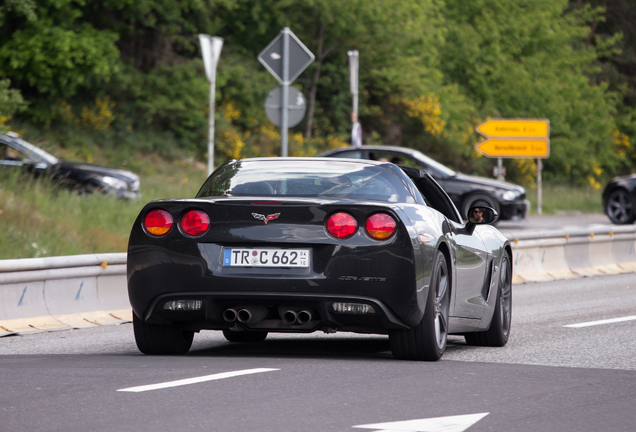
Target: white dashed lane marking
(601,322)
(194,380)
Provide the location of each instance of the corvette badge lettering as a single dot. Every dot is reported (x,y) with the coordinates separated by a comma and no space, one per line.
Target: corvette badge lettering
(265,218)
(362,278)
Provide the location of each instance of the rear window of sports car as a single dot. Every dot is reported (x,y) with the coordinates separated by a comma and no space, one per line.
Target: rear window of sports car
(298,179)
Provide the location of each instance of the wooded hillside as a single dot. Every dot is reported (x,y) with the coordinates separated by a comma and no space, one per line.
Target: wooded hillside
(430,70)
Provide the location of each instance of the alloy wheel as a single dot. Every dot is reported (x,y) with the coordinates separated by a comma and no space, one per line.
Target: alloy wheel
(442,306)
(620,207)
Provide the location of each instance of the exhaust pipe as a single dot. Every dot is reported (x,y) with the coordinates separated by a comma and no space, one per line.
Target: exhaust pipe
(252,314)
(244,315)
(304,316)
(229,315)
(289,317)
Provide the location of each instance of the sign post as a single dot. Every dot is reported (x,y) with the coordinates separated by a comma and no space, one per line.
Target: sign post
(516,138)
(356,130)
(211,49)
(285,57)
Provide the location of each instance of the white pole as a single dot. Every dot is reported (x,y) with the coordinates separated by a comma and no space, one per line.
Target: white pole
(500,175)
(211,127)
(353,81)
(539,200)
(211,49)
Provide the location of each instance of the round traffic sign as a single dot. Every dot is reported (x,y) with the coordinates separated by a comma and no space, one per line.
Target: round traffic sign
(296,106)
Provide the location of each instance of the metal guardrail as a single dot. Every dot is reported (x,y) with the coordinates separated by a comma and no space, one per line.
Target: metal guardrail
(43,294)
(544,255)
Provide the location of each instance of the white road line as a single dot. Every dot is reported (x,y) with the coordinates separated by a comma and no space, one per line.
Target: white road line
(607,321)
(195,380)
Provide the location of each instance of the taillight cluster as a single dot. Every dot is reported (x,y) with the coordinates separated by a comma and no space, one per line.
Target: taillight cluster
(379,226)
(159,222)
(195,223)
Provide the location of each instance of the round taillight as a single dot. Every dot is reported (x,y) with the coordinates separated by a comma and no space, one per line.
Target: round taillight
(380,226)
(195,223)
(158,222)
(341,225)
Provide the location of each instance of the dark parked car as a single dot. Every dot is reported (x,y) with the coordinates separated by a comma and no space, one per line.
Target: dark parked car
(509,200)
(316,244)
(619,200)
(83,177)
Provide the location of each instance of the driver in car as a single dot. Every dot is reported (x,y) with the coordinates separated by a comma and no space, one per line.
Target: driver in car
(8,153)
(477,215)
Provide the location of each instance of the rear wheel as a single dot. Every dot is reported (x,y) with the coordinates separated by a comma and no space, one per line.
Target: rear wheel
(161,339)
(427,340)
(620,207)
(499,331)
(244,336)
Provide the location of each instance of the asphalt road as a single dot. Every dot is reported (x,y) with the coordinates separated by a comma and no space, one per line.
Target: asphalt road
(548,378)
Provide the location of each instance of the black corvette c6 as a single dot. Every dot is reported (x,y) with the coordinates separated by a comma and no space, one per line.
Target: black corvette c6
(318,244)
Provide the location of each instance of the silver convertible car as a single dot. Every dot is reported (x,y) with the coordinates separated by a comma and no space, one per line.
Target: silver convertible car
(319,244)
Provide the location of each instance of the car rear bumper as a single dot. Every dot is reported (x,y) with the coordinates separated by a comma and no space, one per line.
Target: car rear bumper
(275,312)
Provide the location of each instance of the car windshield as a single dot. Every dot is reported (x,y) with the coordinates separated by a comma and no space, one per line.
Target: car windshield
(34,153)
(306,178)
(443,170)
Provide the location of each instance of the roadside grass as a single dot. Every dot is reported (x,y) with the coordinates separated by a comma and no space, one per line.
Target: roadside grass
(566,199)
(38,219)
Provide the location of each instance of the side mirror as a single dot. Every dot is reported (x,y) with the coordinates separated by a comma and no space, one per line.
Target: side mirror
(479,216)
(482,215)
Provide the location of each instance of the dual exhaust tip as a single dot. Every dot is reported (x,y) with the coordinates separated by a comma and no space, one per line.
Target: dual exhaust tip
(255,314)
(300,317)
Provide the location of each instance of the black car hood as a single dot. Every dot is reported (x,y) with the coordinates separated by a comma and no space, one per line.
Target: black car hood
(495,184)
(82,170)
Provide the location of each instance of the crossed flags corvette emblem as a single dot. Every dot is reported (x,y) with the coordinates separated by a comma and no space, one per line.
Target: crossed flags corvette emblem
(265,218)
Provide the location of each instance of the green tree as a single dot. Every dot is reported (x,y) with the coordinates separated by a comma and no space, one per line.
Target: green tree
(10,102)
(527,59)
(612,31)
(49,51)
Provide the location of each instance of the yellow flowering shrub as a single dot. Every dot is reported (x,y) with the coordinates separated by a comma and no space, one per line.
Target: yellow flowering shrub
(99,118)
(526,170)
(426,109)
(621,143)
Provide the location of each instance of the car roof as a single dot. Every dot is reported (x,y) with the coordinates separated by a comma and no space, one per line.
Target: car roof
(399,149)
(32,150)
(314,158)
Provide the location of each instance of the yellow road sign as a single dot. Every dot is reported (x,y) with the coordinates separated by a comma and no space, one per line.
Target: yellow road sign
(515,148)
(513,128)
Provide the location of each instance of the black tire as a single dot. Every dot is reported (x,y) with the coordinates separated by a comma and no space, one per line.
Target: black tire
(499,332)
(427,340)
(161,339)
(620,207)
(244,336)
(477,200)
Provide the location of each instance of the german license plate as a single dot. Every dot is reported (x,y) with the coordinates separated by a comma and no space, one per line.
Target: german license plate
(239,257)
